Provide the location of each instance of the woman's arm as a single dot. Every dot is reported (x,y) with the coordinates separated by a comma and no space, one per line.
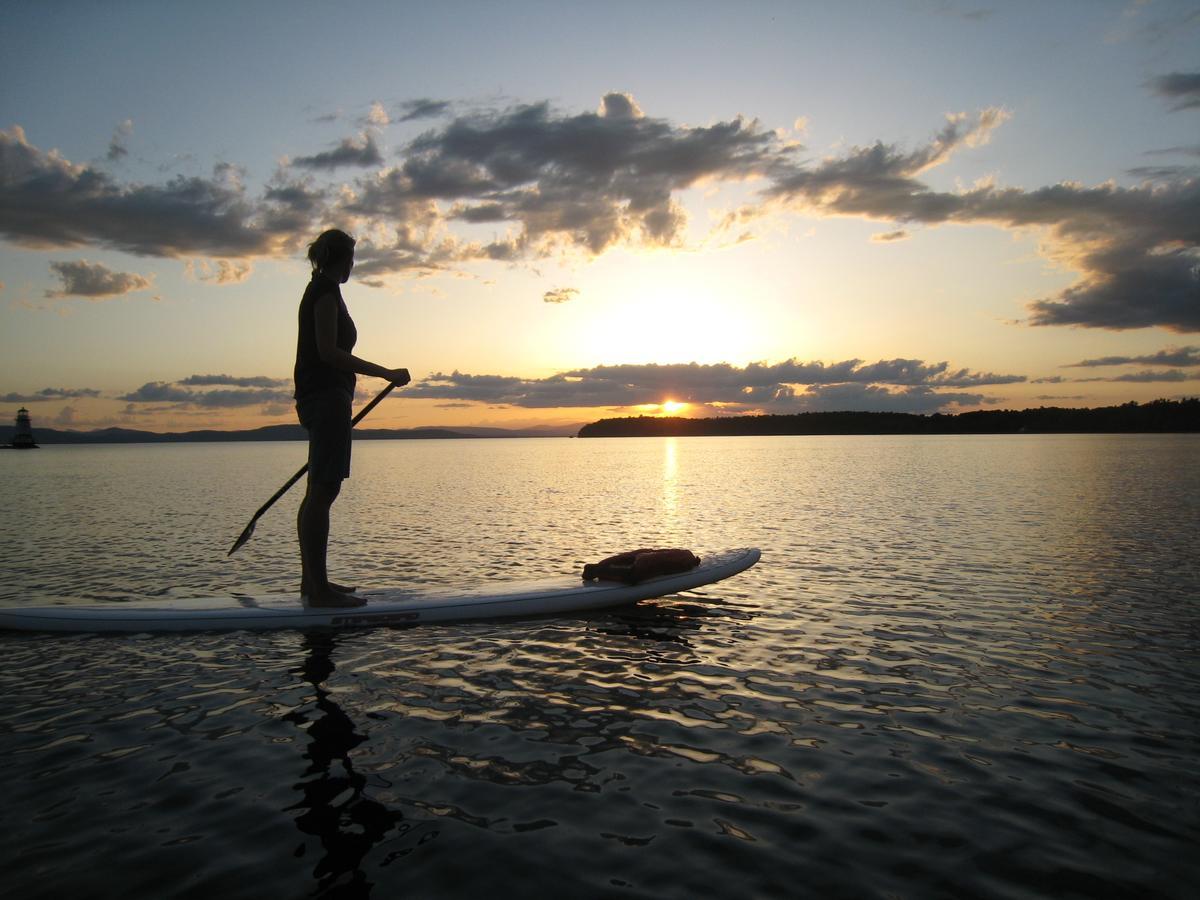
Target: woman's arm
(326,313)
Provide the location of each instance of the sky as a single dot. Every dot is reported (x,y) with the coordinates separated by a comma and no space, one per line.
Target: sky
(570,211)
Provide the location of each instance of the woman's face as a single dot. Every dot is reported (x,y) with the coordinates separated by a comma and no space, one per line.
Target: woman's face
(342,271)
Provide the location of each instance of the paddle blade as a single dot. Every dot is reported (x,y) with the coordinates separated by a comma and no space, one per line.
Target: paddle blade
(245,536)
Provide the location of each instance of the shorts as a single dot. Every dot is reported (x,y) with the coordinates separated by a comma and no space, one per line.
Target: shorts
(326,417)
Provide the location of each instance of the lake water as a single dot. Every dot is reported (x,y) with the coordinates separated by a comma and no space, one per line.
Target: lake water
(966,666)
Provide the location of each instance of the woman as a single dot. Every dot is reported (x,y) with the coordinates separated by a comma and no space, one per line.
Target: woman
(325,376)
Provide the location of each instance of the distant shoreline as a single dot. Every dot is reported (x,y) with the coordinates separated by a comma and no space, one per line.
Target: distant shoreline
(51,436)
(1156,417)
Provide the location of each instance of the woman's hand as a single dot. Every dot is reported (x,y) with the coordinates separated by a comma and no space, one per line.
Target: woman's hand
(399,377)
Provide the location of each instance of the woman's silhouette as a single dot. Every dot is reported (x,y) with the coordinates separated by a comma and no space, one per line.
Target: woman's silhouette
(325,376)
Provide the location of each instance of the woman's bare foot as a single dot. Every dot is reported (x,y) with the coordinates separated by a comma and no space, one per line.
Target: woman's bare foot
(305,590)
(332,598)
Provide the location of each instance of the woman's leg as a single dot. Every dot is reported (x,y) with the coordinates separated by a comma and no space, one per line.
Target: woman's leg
(312,526)
(314,540)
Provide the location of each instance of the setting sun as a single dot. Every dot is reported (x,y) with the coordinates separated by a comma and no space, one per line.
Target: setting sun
(672,407)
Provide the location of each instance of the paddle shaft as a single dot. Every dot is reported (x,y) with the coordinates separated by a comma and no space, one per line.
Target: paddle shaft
(249,529)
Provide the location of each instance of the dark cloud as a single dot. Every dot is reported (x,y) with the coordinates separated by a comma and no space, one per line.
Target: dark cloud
(94,280)
(356,151)
(1148,376)
(295,196)
(411,110)
(1181,88)
(1129,285)
(46,201)
(158,392)
(233,399)
(50,394)
(253,381)
(1172,356)
(173,393)
(885,237)
(918,386)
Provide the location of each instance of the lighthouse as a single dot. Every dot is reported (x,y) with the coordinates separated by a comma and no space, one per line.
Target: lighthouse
(23,436)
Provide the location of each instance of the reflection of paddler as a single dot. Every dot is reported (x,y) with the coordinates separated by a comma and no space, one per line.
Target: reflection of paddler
(347,828)
(325,378)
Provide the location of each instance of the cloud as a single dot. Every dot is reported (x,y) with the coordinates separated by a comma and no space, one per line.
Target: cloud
(889,236)
(551,182)
(47,202)
(1172,356)
(1164,173)
(878,181)
(1191,150)
(1148,376)
(158,392)
(875,398)
(757,386)
(588,182)
(1137,249)
(50,394)
(1181,88)
(356,151)
(253,381)
(560,295)
(172,392)
(620,106)
(232,399)
(116,147)
(423,109)
(220,271)
(378,116)
(94,280)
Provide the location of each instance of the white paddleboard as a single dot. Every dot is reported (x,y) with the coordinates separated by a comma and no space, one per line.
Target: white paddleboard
(398,606)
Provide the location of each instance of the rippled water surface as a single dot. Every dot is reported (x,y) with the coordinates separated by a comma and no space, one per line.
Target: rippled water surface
(966,666)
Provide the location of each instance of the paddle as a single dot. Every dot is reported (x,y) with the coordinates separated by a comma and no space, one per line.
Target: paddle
(249,529)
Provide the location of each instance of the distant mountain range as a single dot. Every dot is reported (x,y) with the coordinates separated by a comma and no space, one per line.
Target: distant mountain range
(273,433)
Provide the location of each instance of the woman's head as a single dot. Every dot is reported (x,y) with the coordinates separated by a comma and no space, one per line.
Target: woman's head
(332,253)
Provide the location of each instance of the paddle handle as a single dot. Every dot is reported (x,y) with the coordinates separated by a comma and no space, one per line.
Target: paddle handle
(362,413)
(249,529)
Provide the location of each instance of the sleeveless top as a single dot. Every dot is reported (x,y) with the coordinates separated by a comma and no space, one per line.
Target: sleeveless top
(311,374)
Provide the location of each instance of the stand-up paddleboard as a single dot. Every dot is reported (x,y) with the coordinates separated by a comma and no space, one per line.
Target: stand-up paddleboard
(399,606)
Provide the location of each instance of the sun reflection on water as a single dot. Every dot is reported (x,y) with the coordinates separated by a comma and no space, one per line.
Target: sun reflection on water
(671,480)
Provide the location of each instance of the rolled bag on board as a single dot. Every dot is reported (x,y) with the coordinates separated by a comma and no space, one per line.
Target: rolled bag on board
(638,565)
